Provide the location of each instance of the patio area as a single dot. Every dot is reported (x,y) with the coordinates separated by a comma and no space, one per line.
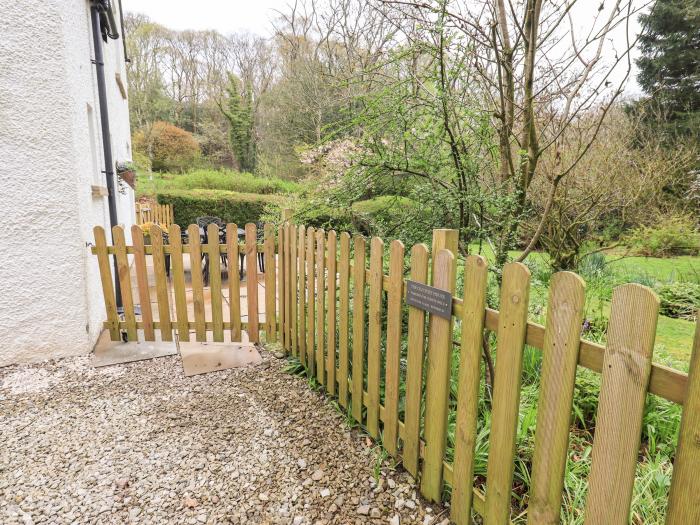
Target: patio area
(207,291)
(140,443)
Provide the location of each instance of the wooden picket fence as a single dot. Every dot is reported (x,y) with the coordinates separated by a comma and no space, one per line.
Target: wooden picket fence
(151,211)
(332,307)
(346,322)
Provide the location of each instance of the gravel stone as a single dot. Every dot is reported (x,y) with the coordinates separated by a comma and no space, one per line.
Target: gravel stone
(141,443)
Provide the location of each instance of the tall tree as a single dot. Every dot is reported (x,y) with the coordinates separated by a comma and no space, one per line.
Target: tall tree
(239,113)
(669,68)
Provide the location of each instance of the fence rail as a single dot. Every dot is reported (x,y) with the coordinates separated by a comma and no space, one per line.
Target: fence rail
(333,308)
(151,211)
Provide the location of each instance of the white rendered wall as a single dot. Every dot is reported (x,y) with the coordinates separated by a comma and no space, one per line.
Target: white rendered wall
(50,156)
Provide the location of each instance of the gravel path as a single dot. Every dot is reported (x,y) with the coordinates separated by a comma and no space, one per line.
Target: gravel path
(140,443)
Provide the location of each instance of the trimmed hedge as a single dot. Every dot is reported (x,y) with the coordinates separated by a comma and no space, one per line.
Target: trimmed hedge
(230,206)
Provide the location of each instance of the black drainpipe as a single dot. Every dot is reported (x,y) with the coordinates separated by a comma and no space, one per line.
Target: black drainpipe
(95,9)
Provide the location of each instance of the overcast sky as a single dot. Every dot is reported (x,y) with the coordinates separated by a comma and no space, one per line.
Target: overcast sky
(256,16)
(226,16)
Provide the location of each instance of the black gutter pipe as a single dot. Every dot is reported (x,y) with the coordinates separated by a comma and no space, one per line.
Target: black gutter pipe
(106,138)
(121,25)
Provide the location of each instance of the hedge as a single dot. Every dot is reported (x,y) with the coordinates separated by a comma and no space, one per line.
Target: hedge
(230,206)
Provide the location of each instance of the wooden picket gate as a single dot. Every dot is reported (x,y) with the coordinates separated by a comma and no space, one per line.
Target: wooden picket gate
(327,307)
(180,323)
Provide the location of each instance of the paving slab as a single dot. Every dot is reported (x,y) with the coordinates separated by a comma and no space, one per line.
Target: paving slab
(202,358)
(109,352)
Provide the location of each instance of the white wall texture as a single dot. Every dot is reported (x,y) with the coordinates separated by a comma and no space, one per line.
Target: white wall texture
(50,155)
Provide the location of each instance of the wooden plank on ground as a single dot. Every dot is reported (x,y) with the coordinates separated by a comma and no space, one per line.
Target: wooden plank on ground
(320,303)
(331,305)
(515,293)
(685,486)
(251,278)
(107,286)
(473,313)
(142,282)
(559,359)
(358,326)
(234,281)
(626,368)
(270,292)
(197,282)
(125,282)
(393,348)
(344,323)
(178,279)
(217,311)
(414,365)
(162,291)
(310,302)
(437,383)
(301,309)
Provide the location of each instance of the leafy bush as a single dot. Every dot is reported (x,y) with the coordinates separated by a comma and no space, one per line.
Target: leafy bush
(170,148)
(393,217)
(230,206)
(672,236)
(679,299)
(324,216)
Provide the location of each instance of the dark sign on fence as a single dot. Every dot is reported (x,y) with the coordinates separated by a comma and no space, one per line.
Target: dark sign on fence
(429,298)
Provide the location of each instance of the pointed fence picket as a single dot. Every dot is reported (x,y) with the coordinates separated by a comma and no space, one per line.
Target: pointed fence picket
(391,365)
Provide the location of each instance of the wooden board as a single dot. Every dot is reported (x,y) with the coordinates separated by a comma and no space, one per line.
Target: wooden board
(251,258)
(142,283)
(683,505)
(414,366)
(234,284)
(280,288)
(294,291)
(393,348)
(125,282)
(162,292)
(178,277)
(203,358)
(515,295)
(374,334)
(437,386)
(358,326)
(331,306)
(559,357)
(475,280)
(270,284)
(217,311)
(301,311)
(344,322)
(631,332)
(107,287)
(320,304)
(197,282)
(310,302)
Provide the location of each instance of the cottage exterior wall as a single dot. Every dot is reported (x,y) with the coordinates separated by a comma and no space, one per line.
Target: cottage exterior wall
(50,157)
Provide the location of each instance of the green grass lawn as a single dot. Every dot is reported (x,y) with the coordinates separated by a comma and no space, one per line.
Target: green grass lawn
(210,179)
(686,268)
